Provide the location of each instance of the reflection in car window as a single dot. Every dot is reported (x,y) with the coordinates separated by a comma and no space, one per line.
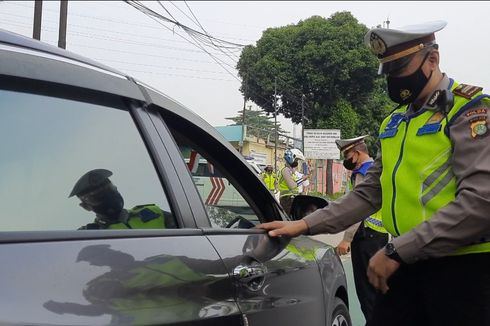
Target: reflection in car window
(48,144)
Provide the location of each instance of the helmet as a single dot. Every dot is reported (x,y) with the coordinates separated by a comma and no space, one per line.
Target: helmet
(268,168)
(298,155)
(290,155)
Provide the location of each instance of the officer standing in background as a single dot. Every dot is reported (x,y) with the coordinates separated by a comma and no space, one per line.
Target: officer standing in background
(99,195)
(269,178)
(288,182)
(366,237)
(431,180)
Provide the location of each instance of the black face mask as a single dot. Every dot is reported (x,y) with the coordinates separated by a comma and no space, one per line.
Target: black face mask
(294,164)
(349,164)
(404,90)
(107,202)
(111,207)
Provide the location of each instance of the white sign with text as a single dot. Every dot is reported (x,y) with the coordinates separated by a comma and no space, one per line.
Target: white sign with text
(320,144)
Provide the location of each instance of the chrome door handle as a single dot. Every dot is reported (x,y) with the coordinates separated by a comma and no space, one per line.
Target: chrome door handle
(251,276)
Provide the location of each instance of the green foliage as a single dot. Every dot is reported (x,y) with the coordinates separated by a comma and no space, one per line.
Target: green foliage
(327,62)
(257,122)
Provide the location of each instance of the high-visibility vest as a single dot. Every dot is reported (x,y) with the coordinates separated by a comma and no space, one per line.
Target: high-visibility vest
(269,180)
(283,185)
(417,179)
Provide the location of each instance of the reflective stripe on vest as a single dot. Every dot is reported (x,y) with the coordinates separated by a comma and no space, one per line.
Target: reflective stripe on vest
(375,222)
(417,179)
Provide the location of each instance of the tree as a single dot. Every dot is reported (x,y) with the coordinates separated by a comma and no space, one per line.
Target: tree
(258,123)
(323,59)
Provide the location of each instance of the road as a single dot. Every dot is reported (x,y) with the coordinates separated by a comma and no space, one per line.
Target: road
(354,307)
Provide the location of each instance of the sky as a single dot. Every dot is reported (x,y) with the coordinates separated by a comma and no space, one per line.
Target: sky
(116,34)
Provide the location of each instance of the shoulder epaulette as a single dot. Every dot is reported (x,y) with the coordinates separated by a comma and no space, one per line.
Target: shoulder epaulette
(467,91)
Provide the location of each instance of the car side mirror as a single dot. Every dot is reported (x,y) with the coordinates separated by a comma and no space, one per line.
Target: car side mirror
(304,205)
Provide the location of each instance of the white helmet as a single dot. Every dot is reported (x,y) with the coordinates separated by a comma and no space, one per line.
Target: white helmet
(291,155)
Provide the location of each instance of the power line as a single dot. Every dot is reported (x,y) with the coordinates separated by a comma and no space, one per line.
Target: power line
(164,67)
(14,3)
(156,16)
(139,53)
(200,25)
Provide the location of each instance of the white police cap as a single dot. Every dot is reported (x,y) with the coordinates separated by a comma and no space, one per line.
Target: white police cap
(394,47)
(345,144)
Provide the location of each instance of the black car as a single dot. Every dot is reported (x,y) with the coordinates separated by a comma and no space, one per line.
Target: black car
(63,116)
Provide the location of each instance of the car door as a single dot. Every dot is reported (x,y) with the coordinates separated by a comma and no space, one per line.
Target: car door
(54,274)
(277,281)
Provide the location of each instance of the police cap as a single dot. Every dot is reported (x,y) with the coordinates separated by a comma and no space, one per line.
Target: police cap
(395,47)
(90,181)
(345,144)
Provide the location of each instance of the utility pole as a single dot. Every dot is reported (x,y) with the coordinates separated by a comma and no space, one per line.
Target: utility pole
(275,124)
(243,125)
(38,12)
(303,123)
(63,23)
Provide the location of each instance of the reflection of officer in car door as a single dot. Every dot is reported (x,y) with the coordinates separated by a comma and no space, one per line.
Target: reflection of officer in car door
(98,194)
(156,289)
(143,292)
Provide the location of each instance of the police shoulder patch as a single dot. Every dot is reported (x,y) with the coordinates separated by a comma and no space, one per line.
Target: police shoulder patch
(467,91)
(478,127)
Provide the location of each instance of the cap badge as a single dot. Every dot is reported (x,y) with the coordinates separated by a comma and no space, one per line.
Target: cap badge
(378,46)
(405,93)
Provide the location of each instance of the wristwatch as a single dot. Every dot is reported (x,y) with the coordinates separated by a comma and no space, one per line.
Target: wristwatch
(390,252)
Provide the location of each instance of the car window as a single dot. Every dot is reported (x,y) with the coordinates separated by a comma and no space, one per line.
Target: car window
(67,165)
(225,206)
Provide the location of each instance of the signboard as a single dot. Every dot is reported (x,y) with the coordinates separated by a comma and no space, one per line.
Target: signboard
(260,158)
(320,144)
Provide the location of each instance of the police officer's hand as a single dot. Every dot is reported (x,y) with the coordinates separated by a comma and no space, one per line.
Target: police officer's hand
(285,228)
(343,248)
(380,268)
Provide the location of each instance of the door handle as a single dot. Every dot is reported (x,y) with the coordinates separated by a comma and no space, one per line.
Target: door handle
(251,276)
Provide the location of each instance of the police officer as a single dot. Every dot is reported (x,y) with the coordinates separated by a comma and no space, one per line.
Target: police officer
(431,180)
(288,181)
(366,237)
(98,194)
(269,178)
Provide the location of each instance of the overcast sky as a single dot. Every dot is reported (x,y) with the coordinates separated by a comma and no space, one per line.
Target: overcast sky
(118,35)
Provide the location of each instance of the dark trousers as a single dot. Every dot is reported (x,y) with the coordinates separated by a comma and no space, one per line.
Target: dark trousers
(365,244)
(449,291)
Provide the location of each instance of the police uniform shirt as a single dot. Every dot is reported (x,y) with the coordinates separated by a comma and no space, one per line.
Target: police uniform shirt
(359,177)
(462,222)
